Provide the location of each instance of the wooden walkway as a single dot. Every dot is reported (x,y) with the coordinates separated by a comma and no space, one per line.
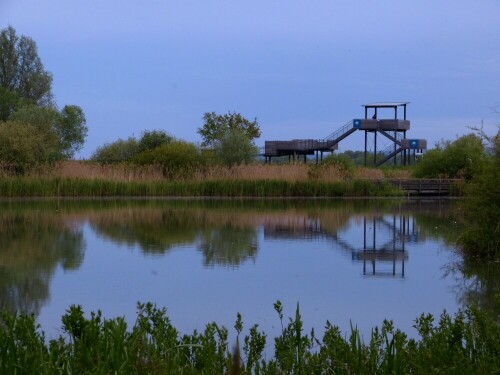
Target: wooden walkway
(427,186)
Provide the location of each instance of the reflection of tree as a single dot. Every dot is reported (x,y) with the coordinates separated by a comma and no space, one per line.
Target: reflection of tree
(155,231)
(31,247)
(478,283)
(228,246)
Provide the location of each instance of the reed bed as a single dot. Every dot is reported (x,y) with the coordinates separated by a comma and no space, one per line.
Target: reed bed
(77,187)
(130,172)
(467,343)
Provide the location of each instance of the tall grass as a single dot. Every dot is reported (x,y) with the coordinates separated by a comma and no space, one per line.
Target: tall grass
(78,187)
(467,343)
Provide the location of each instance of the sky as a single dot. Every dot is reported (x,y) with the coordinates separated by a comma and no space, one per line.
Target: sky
(302,68)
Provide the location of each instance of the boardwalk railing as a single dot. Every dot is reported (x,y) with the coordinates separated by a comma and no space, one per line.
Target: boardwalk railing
(428,186)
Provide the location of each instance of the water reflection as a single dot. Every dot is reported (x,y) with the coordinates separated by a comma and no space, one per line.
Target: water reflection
(38,237)
(32,245)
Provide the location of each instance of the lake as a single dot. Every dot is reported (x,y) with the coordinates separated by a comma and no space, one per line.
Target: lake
(346,261)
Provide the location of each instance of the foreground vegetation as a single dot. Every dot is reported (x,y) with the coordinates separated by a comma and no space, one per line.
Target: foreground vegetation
(467,343)
(57,187)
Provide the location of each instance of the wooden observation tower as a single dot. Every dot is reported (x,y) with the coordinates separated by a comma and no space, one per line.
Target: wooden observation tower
(393,128)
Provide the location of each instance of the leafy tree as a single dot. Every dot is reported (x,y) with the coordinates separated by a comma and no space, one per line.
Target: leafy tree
(21,69)
(215,127)
(26,98)
(462,158)
(151,139)
(68,125)
(72,130)
(116,152)
(235,148)
(9,101)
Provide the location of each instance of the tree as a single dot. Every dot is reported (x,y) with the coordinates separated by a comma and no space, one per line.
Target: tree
(215,127)
(72,130)
(68,125)
(235,148)
(21,69)
(151,139)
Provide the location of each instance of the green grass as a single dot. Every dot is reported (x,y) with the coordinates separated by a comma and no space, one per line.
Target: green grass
(467,343)
(71,187)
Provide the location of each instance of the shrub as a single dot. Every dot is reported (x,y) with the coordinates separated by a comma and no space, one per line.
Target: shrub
(462,158)
(116,152)
(342,165)
(26,146)
(482,239)
(177,158)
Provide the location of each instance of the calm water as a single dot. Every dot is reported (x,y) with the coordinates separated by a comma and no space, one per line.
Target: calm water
(343,261)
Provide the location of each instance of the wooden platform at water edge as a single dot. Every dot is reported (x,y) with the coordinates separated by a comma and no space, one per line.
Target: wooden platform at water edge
(429,187)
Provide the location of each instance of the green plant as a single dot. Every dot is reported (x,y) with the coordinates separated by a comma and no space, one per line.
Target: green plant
(151,139)
(235,148)
(341,164)
(215,127)
(116,152)
(177,158)
(462,158)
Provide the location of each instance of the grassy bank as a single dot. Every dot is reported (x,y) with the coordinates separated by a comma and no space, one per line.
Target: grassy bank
(79,187)
(467,343)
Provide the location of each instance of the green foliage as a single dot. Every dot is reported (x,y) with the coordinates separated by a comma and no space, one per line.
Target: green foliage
(342,163)
(50,187)
(482,239)
(151,139)
(26,98)
(122,151)
(25,147)
(216,126)
(21,69)
(9,101)
(235,148)
(462,158)
(176,158)
(467,343)
(116,152)
(71,128)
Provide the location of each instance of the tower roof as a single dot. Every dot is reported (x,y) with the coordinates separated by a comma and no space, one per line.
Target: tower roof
(385,104)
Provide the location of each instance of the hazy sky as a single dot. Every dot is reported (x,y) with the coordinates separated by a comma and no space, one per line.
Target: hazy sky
(303,68)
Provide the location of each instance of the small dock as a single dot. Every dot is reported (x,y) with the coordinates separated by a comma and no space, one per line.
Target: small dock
(430,187)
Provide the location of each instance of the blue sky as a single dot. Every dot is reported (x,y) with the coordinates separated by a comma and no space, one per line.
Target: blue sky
(303,68)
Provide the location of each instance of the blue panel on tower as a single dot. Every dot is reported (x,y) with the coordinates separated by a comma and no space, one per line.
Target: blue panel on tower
(414,143)
(356,124)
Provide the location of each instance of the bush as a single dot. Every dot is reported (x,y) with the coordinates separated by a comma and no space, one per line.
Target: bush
(116,152)
(342,164)
(26,146)
(176,159)
(482,239)
(462,158)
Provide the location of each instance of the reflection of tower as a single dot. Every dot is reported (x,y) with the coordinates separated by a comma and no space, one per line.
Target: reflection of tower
(384,243)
